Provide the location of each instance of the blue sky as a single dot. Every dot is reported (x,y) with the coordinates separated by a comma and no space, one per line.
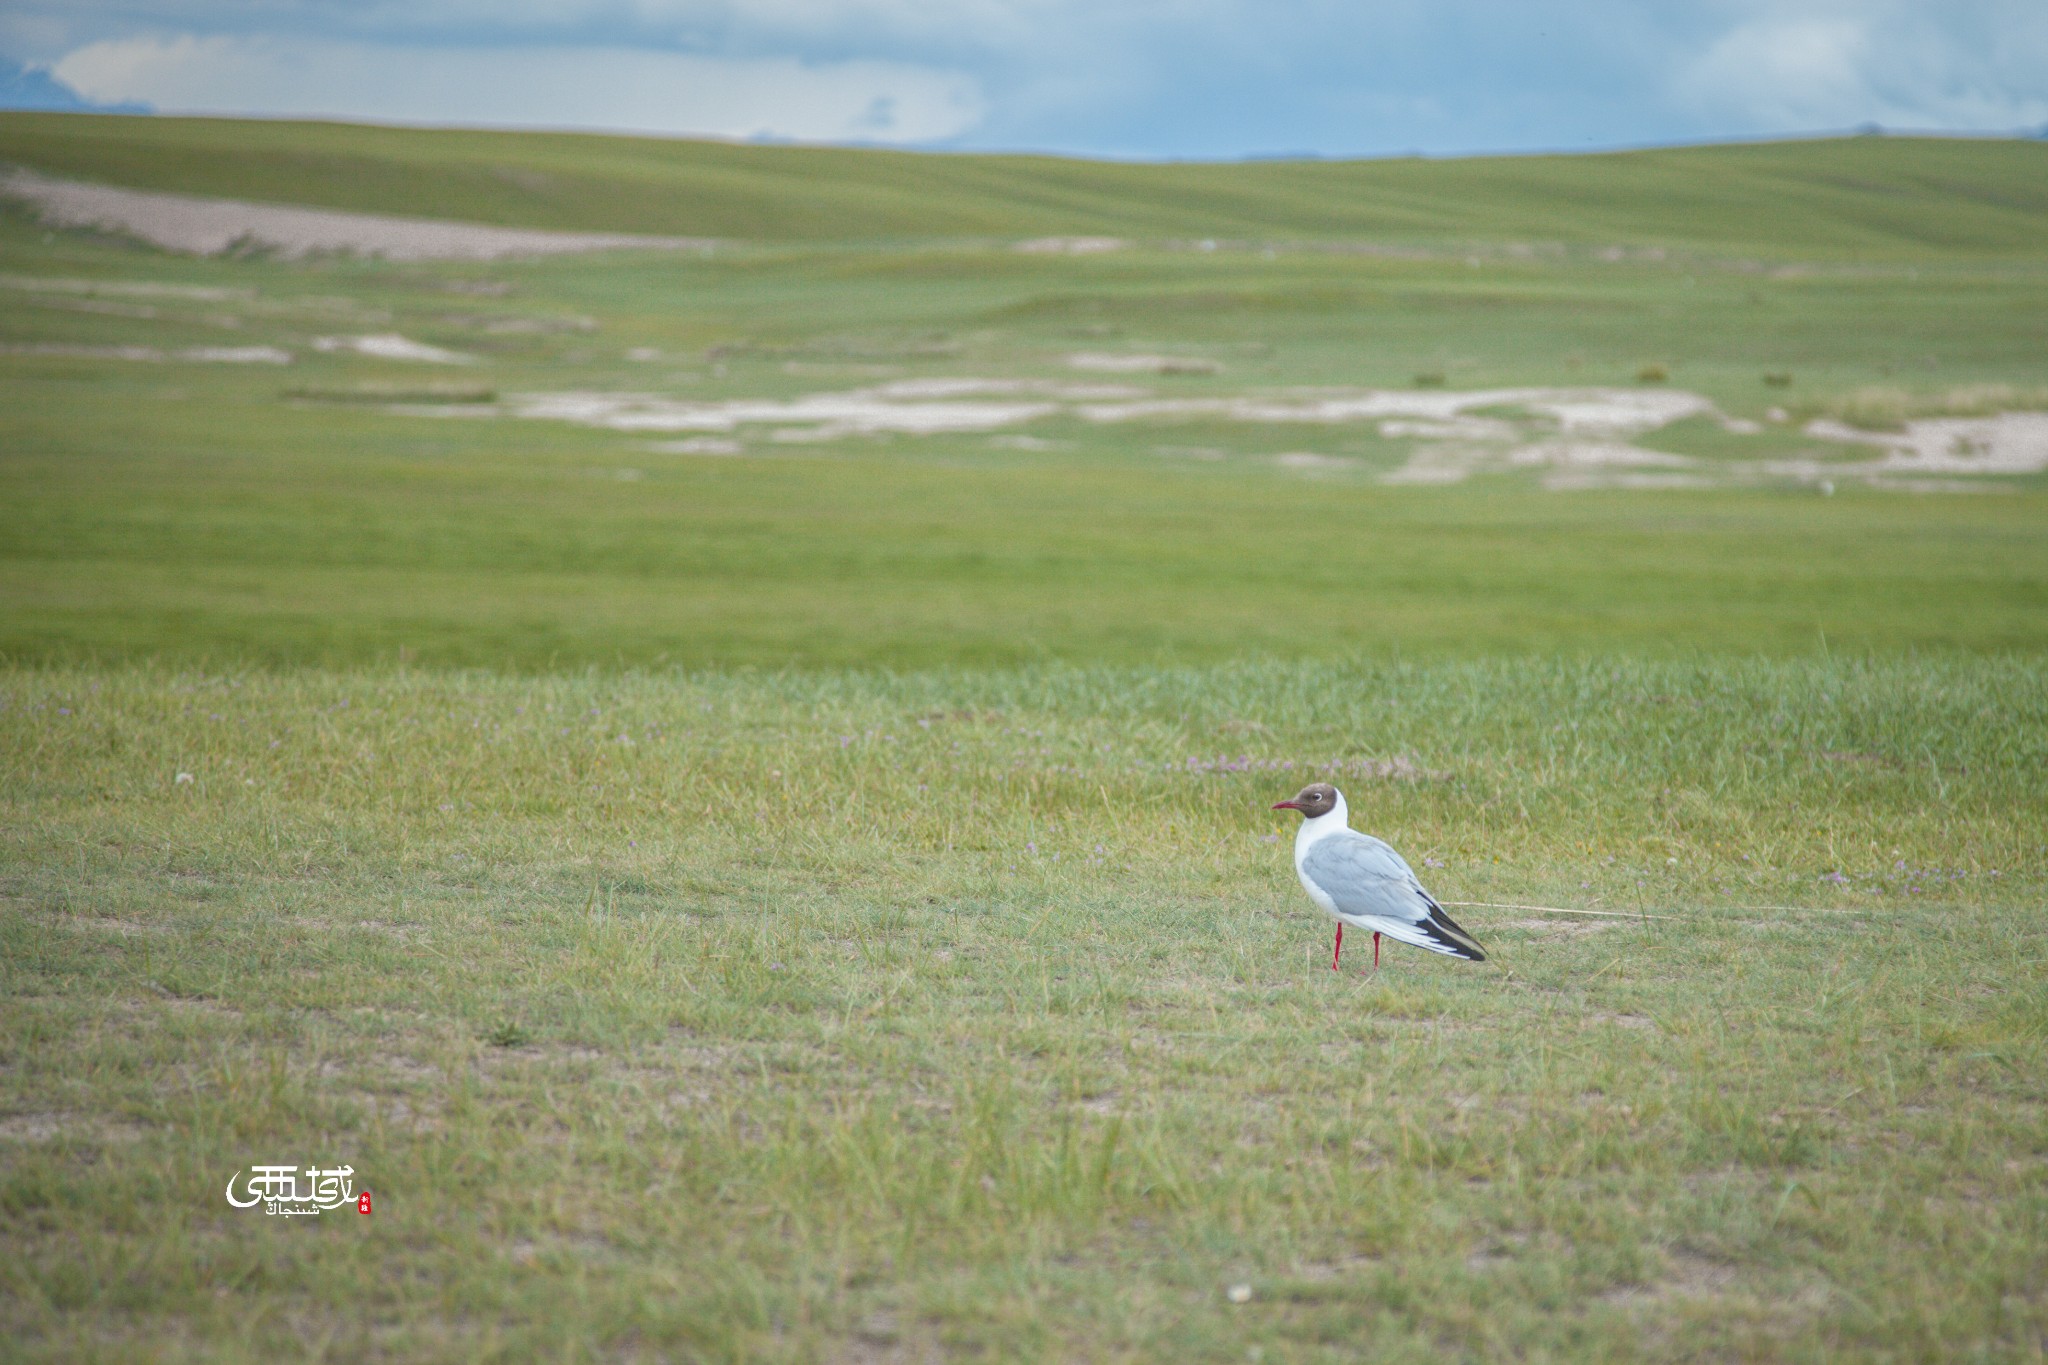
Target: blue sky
(1131,78)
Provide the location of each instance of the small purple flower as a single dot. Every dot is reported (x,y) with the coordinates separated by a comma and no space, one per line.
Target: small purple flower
(1432,862)
(1837,878)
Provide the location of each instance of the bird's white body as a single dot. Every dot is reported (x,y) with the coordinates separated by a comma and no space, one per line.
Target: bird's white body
(1312,831)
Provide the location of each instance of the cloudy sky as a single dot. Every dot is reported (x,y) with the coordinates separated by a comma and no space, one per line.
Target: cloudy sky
(1135,78)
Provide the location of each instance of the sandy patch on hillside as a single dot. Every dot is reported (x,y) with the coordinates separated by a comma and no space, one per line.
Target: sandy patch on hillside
(1070,246)
(2010,443)
(202,355)
(1455,429)
(1570,439)
(1602,411)
(1573,464)
(963,387)
(1936,455)
(700,445)
(1308,462)
(209,227)
(1111,362)
(391,346)
(235,355)
(820,417)
(911,407)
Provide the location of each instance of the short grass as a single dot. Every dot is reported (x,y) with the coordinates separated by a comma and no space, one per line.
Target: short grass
(821,903)
(842,1016)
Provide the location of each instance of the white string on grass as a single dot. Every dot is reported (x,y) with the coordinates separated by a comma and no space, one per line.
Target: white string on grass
(1632,914)
(1551,910)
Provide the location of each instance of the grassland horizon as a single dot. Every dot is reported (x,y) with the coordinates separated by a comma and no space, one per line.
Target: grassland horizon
(1827,198)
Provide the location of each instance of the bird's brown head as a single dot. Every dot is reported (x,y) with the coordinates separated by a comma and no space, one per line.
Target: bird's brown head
(1317,798)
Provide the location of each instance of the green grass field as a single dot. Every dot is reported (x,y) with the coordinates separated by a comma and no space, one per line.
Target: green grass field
(786,891)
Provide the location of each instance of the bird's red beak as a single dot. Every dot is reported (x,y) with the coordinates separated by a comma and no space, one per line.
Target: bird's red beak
(1285,805)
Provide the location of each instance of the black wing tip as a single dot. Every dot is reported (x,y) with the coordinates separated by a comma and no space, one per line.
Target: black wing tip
(1444,930)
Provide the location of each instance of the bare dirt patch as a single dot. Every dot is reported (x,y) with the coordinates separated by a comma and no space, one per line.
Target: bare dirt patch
(54,1126)
(1568,928)
(1689,1277)
(212,227)
(1104,362)
(1570,439)
(2008,443)
(1069,246)
(194,355)
(1308,462)
(700,445)
(107,924)
(813,417)
(392,346)
(1325,1272)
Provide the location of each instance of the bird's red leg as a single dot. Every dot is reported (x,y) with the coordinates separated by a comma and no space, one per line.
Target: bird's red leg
(1339,950)
(1375,950)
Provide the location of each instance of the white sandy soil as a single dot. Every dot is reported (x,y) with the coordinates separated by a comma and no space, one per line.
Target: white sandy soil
(204,355)
(391,346)
(1070,246)
(817,417)
(1571,439)
(1111,362)
(2010,443)
(209,227)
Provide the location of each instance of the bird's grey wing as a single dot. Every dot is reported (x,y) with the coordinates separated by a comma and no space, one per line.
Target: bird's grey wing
(1368,880)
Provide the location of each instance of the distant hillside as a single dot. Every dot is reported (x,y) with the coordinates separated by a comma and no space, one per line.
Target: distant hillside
(1863,197)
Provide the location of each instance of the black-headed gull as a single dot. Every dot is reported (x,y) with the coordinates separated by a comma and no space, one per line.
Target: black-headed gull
(1358,880)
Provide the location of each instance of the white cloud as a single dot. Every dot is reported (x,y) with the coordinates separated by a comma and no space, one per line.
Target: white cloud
(1116,77)
(621,89)
(1827,71)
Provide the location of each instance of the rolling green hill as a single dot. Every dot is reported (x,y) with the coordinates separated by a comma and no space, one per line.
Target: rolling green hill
(1867,197)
